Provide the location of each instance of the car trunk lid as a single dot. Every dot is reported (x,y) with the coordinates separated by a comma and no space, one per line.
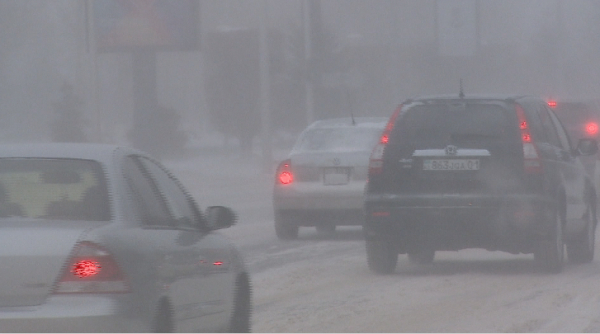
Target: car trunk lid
(32,256)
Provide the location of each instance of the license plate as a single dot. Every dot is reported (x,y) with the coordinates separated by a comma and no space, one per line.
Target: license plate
(336,176)
(451,164)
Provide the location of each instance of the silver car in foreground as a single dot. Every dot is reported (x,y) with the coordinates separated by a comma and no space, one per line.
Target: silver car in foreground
(99,238)
(322,181)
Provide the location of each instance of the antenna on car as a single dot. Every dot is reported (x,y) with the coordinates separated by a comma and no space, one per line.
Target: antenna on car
(461,93)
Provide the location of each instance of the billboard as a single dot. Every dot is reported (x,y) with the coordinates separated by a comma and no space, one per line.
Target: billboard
(457,27)
(159,25)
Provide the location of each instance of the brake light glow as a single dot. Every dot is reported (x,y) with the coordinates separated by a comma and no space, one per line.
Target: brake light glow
(552,104)
(376,159)
(591,128)
(91,269)
(532,162)
(284,172)
(86,268)
(385,137)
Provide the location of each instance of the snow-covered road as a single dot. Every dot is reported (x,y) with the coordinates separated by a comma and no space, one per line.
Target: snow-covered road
(319,284)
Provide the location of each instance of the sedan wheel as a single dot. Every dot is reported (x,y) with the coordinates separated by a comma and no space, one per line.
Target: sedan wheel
(285,229)
(582,250)
(163,322)
(381,256)
(550,253)
(240,320)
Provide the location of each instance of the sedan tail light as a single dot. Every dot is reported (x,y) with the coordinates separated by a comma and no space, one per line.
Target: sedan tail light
(91,269)
(284,172)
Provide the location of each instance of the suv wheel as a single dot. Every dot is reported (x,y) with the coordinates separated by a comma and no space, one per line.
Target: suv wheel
(582,249)
(421,257)
(285,229)
(381,256)
(550,253)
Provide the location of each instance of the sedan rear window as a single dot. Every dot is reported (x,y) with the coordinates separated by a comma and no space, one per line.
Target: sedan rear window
(342,139)
(57,189)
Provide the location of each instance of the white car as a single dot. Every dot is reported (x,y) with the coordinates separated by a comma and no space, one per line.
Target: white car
(321,183)
(99,238)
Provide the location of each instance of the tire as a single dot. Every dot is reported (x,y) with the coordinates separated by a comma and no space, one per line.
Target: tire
(550,253)
(284,229)
(421,257)
(381,256)
(327,229)
(163,320)
(582,250)
(242,307)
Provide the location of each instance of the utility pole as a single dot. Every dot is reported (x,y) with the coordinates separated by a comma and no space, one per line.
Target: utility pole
(560,24)
(94,91)
(265,90)
(308,62)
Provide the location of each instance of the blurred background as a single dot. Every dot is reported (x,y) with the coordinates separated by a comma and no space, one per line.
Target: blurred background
(168,76)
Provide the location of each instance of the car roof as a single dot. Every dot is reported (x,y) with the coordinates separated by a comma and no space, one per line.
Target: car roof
(362,122)
(480,97)
(92,151)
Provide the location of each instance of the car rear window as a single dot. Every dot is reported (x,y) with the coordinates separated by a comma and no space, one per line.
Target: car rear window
(445,123)
(341,138)
(57,189)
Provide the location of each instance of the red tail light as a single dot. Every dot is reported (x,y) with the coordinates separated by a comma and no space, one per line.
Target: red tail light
(376,159)
(552,104)
(385,136)
(91,269)
(591,128)
(284,172)
(532,161)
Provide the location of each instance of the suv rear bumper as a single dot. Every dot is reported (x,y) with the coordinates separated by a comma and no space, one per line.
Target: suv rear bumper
(453,221)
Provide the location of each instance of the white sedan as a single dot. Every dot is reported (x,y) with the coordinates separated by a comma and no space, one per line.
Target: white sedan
(321,182)
(99,238)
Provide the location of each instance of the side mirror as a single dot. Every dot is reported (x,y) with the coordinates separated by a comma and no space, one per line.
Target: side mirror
(220,217)
(587,146)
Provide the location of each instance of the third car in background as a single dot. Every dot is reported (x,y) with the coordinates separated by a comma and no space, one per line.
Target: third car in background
(581,118)
(321,182)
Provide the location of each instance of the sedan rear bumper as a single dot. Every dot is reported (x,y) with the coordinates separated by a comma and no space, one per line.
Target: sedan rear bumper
(316,196)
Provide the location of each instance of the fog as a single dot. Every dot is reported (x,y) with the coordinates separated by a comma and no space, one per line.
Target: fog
(220,89)
(365,56)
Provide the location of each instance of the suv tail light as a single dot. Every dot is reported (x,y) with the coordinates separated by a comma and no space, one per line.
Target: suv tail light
(531,158)
(385,136)
(284,172)
(376,159)
(91,269)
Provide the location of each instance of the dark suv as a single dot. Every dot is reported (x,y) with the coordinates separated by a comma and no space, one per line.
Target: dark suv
(498,173)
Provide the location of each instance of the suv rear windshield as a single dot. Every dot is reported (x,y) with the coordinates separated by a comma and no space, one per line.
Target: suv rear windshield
(452,123)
